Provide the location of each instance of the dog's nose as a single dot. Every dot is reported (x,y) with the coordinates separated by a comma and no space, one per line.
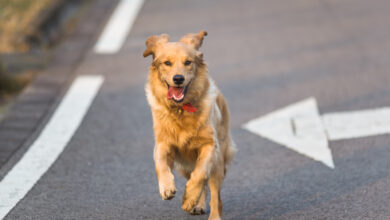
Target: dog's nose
(178,79)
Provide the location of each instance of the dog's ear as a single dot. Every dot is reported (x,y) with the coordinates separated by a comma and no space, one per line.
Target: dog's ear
(152,43)
(194,40)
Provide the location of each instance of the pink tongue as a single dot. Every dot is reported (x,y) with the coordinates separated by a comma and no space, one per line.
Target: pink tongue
(174,91)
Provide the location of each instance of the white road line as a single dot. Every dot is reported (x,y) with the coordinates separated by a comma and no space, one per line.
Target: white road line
(118,27)
(50,143)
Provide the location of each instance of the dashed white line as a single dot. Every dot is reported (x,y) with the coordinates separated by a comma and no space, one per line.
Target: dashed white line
(50,143)
(118,27)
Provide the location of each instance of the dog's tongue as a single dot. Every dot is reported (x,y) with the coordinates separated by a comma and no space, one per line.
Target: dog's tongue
(174,91)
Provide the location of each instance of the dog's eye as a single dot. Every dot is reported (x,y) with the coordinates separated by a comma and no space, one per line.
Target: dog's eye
(187,63)
(168,63)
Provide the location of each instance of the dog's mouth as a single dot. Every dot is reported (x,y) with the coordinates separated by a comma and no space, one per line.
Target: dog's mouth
(176,93)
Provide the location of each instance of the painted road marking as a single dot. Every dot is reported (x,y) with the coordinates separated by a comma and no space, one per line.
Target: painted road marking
(299,127)
(118,27)
(357,124)
(50,143)
(279,127)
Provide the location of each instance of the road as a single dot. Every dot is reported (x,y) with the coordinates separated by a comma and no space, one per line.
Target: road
(264,55)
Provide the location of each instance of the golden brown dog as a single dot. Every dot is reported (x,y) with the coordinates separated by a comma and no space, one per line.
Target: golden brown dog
(191,122)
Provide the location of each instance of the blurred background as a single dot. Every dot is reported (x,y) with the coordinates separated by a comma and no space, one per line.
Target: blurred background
(29,31)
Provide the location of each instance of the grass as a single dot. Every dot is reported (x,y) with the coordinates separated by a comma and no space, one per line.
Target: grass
(16,17)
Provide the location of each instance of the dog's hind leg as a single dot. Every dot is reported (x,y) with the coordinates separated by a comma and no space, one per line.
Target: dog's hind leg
(215,183)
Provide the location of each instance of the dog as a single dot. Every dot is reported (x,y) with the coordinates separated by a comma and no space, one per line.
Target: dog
(190,122)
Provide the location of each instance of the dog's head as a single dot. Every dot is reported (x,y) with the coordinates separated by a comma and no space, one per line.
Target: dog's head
(177,63)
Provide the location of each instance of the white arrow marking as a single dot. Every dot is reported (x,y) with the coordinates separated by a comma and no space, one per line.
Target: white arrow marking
(281,128)
(356,124)
(301,128)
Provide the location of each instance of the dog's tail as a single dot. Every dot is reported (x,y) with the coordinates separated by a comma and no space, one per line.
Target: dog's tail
(229,153)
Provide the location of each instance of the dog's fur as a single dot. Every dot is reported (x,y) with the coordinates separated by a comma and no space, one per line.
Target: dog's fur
(197,143)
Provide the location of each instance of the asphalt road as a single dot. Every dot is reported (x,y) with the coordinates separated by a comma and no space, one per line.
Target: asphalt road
(264,55)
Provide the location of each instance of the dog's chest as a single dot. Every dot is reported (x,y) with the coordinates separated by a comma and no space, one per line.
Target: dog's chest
(182,131)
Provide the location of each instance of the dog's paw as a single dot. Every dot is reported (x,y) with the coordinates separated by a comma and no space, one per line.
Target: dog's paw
(167,193)
(189,205)
(198,211)
(214,218)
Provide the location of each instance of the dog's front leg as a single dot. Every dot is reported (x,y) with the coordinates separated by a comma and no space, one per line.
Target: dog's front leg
(163,159)
(199,176)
